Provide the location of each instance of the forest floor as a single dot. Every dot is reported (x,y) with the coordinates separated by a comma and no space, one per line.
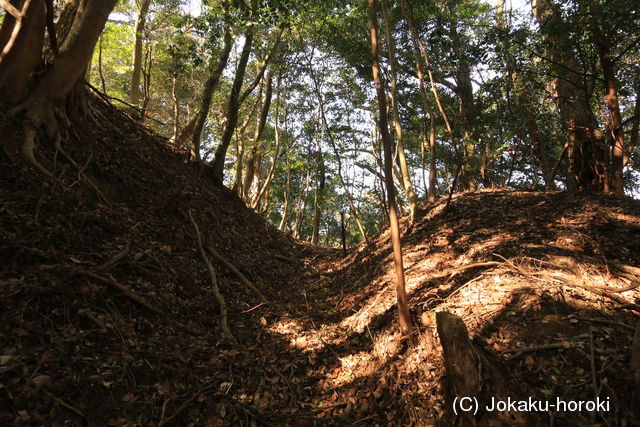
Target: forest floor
(109,316)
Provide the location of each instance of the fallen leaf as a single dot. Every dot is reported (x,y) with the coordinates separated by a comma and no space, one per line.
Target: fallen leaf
(129,397)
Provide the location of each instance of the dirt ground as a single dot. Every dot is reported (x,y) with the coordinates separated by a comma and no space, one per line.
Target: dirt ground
(109,315)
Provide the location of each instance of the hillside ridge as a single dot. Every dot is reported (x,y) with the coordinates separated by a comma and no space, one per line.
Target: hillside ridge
(323,348)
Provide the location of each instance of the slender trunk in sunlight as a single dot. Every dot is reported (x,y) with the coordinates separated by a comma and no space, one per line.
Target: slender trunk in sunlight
(402,158)
(232,108)
(635,125)
(404,316)
(136,68)
(265,187)
(176,109)
(215,72)
(418,47)
(255,156)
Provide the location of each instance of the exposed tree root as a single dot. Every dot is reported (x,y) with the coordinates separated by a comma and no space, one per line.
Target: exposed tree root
(224,325)
(28,148)
(81,175)
(43,114)
(113,261)
(50,118)
(109,280)
(237,272)
(123,289)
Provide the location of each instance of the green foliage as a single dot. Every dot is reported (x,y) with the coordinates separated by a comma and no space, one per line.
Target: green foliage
(502,53)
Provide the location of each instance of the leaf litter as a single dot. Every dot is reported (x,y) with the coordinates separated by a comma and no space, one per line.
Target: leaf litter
(530,273)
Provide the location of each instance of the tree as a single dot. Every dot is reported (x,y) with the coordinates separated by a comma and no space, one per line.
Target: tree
(587,156)
(215,72)
(45,97)
(402,159)
(403,306)
(136,63)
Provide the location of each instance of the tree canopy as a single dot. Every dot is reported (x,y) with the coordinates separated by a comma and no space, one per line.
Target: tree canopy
(482,81)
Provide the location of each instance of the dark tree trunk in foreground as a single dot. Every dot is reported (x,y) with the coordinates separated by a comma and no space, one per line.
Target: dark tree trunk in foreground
(469,374)
(403,306)
(45,98)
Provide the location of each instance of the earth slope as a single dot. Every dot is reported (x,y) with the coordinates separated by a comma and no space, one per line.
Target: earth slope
(109,314)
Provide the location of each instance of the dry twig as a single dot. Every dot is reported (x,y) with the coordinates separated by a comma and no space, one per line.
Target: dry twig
(474,265)
(113,261)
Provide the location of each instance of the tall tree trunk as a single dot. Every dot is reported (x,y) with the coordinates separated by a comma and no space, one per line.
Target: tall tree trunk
(21,44)
(616,181)
(464,89)
(47,98)
(146,80)
(404,317)
(136,70)
(535,137)
(276,151)
(102,80)
(635,125)
(176,109)
(526,108)
(587,155)
(252,162)
(287,194)
(232,109)
(402,159)
(301,205)
(423,162)
(318,191)
(209,87)
(241,146)
(315,225)
(24,44)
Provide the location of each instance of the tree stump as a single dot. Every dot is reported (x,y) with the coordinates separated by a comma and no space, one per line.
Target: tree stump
(470,374)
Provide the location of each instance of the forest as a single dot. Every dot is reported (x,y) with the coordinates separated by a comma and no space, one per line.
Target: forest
(309,212)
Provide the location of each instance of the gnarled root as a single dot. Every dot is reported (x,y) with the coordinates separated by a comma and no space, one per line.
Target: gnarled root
(28,147)
(43,114)
(81,175)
